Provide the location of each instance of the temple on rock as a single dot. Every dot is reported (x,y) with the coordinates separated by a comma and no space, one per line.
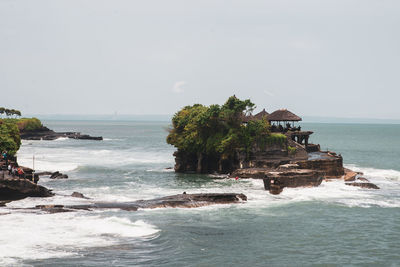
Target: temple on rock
(288,159)
(295,163)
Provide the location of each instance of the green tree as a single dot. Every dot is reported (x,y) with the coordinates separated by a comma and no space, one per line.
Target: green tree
(9,137)
(216,131)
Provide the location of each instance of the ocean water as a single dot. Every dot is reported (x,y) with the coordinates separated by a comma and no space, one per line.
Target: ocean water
(332,224)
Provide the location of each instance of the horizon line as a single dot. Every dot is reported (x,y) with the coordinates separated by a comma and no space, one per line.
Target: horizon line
(164,117)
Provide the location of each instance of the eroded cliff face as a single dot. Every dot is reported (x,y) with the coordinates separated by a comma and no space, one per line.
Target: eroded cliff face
(268,157)
(331,166)
(201,163)
(260,156)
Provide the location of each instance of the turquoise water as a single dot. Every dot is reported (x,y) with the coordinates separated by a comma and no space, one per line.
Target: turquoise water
(333,224)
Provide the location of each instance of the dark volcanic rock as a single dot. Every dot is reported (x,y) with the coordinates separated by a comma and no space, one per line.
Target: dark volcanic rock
(191,200)
(14,189)
(364,185)
(58,175)
(175,201)
(45,133)
(282,177)
(330,165)
(78,195)
(291,178)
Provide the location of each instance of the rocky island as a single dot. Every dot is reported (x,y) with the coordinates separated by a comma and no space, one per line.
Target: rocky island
(44,133)
(229,139)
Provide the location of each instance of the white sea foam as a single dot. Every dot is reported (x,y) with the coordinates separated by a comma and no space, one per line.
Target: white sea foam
(334,191)
(30,236)
(66,158)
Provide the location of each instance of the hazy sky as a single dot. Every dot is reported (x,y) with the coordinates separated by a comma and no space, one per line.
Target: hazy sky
(322,58)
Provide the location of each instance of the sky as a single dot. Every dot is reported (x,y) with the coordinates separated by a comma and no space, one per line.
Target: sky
(315,58)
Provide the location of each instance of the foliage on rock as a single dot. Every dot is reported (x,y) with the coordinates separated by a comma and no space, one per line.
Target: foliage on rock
(217,130)
(10,128)
(10,140)
(29,124)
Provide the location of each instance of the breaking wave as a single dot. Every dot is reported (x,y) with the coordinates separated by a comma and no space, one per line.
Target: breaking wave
(31,236)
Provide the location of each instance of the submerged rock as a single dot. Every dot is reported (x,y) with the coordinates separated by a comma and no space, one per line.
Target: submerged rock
(78,195)
(175,201)
(58,175)
(364,185)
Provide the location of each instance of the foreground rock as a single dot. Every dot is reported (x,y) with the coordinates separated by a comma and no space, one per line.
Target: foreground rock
(15,188)
(53,175)
(277,179)
(175,201)
(364,185)
(58,175)
(45,133)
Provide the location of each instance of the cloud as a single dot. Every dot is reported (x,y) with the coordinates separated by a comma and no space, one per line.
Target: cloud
(178,87)
(268,93)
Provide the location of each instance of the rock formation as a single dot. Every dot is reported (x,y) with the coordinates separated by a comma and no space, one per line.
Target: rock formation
(58,175)
(175,201)
(15,188)
(78,195)
(364,185)
(45,133)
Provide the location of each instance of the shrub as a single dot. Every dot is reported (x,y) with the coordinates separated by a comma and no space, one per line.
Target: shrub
(292,150)
(29,124)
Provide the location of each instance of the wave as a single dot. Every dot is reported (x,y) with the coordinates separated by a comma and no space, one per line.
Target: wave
(378,174)
(70,158)
(32,237)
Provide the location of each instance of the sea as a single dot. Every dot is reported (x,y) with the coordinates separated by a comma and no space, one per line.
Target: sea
(330,225)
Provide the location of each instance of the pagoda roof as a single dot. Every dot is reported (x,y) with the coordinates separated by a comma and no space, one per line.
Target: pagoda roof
(283,115)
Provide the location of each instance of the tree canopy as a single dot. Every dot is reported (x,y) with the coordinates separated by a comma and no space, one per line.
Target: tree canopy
(10,140)
(9,112)
(10,128)
(217,130)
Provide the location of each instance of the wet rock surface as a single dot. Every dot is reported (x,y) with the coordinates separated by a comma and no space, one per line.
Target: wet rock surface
(15,188)
(78,195)
(329,163)
(283,177)
(364,185)
(175,201)
(58,175)
(45,133)
(276,181)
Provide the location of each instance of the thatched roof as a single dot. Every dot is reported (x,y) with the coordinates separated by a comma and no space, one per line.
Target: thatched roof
(248,118)
(260,115)
(283,115)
